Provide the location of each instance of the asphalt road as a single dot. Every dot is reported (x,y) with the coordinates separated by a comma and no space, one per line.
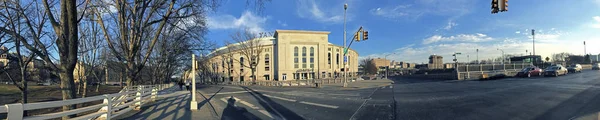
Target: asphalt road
(241,103)
(544,98)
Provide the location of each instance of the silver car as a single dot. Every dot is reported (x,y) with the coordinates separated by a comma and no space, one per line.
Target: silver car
(596,66)
(575,68)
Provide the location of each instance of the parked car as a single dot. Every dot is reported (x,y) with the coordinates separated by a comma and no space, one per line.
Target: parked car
(574,68)
(530,71)
(596,66)
(555,71)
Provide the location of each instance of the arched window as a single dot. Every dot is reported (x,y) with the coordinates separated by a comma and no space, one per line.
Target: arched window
(303,51)
(267,62)
(337,59)
(328,58)
(312,51)
(303,57)
(296,57)
(295,51)
(241,61)
(312,57)
(241,64)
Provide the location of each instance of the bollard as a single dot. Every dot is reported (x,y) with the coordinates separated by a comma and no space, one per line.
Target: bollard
(154,94)
(107,108)
(138,97)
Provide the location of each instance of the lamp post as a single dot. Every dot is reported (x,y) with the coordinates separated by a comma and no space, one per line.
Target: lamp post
(477,56)
(193,103)
(345,71)
(502,54)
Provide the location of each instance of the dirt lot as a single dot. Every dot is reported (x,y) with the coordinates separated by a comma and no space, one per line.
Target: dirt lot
(11,94)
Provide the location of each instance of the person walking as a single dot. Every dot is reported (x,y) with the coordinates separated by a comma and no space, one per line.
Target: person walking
(180,83)
(187,86)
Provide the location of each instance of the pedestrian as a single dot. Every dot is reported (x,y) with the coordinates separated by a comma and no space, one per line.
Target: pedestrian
(187,86)
(180,85)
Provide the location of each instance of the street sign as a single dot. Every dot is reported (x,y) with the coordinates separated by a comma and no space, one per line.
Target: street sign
(345,58)
(457,53)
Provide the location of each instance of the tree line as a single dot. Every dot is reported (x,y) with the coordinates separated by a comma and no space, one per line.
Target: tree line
(144,37)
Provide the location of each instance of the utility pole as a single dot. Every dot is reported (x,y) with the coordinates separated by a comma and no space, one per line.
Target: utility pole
(345,47)
(193,103)
(477,56)
(533,38)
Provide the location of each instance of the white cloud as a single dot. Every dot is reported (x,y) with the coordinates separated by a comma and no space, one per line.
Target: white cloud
(284,24)
(518,32)
(450,25)
(478,37)
(312,10)
(390,12)
(420,54)
(596,23)
(247,20)
(425,7)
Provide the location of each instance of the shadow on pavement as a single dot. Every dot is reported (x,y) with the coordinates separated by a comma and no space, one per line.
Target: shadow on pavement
(207,100)
(582,104)
(169,111)
(274,108)
(232,112)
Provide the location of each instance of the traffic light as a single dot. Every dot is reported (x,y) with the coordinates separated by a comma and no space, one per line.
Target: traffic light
(504,6)
(356,36)
(495,6)
(365,35)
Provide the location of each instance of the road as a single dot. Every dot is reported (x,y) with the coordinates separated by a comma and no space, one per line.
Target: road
(292,103)
(545,98)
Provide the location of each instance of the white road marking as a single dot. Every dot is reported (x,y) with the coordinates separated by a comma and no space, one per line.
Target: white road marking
(291,100)
(229,92)
(317,104)
(246,103)
(391,86)
(266,113)
(382,87)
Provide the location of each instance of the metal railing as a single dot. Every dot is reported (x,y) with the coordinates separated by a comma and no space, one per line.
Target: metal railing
(478,71)
(113,105)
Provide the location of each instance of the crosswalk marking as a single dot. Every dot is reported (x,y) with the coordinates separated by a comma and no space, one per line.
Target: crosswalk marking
(286,99)
(317,104)
(235,92)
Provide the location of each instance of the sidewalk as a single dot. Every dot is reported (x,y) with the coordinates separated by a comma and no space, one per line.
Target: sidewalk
(174,104)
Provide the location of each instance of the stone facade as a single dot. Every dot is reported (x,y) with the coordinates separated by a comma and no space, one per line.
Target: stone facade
(287,55)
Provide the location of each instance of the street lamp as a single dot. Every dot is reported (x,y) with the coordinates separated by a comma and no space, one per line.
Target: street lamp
(194,103)
(502,54)
(345,47)
(477,56)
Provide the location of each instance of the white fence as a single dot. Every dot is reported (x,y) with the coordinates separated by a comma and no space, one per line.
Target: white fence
(113,105)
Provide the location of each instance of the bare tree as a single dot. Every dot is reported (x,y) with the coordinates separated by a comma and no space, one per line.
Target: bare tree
(560,57)
(368,65)
(250,47)
(89,53)
(67,42)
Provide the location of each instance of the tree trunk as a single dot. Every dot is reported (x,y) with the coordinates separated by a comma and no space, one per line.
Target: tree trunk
(66,85)
(84,89)
(24,91)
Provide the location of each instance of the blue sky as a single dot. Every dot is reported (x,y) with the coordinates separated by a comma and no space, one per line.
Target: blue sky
(411,30)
